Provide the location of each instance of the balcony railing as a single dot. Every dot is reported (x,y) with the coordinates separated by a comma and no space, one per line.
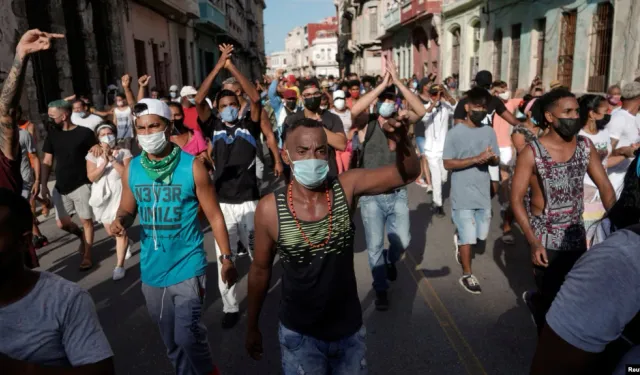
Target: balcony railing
(212,15)
(391,19)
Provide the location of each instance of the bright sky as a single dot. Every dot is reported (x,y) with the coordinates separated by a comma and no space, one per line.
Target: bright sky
(281,16)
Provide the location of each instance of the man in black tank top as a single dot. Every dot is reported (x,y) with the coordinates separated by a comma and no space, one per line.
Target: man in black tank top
(309,225)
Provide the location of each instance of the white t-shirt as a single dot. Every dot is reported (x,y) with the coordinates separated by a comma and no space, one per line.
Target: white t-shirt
(624,128)
(602,142)
(90,122)
(345,117)
(436,125)
(124,122)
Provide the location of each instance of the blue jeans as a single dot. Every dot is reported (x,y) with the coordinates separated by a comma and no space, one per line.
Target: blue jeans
(380,211)
(472,225)
(307,355)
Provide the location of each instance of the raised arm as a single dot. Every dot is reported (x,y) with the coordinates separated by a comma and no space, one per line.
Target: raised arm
(248,88)
(272,143)
(272,92)
(357,182)
(417,110)
(369,98)
(260,271)
(126,85)
(32,41)
(204,111)
(143,82)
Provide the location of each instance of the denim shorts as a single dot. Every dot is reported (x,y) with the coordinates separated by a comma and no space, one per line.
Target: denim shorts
(472,225)
(302,354)
(420,141)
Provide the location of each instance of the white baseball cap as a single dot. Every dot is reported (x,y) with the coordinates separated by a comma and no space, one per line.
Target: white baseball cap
(153,107)
(188,90)
(173,88)
(339,94)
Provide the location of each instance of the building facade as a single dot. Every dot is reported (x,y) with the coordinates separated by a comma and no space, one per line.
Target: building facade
(405,30)
(307,47)
(277,60)
(568,41)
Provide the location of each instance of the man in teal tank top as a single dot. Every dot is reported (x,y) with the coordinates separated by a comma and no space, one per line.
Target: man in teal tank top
(309,225)
(165,186)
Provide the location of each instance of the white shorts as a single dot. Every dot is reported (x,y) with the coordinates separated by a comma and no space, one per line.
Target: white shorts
(494,172)
(506,156)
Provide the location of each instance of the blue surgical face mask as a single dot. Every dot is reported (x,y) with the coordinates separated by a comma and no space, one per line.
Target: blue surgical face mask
(229,114)
(387,109)
(192,100)
(310,173)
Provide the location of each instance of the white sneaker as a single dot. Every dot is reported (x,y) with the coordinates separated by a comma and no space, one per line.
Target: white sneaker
(429,189)
(118,273)
(127,255)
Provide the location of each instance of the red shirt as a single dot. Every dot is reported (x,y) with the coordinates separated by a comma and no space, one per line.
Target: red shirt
(191,118)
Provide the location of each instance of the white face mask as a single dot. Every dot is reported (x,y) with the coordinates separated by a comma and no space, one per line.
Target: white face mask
(339,104)
(153,143)
(109,139)
(505,95)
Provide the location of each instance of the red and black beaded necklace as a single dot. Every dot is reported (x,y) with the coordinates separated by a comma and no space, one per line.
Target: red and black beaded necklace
(295,218)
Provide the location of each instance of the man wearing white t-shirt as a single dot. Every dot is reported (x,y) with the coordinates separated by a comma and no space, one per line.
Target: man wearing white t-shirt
(436,121)
(624,132)
(82,117)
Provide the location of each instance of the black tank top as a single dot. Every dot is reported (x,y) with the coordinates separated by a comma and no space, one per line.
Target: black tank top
(319,290)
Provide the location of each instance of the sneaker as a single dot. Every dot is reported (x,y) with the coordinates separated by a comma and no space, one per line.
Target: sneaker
(470,284)
(382,301)
(230,319)
(429,189)
(439,211)
(40,241)
(127,254)
(421,182)
(118,273)
(392,272)
(457,251)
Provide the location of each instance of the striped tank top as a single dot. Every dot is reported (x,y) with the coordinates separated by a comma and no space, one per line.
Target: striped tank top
(319,290)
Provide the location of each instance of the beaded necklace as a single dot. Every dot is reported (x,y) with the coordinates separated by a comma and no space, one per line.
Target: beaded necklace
(295,218)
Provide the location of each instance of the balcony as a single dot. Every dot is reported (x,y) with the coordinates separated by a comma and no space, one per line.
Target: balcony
(178,10)
(391,19)
(212,16)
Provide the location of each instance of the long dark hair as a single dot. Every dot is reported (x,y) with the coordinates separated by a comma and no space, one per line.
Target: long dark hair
(589,103)
(178,126)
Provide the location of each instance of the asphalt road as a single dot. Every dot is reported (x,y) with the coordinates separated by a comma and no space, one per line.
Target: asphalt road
(432,327)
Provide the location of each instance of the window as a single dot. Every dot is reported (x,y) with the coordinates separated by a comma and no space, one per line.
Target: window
(514,64)
(541,26)
(567,46)
(373,22)
(141,57)
(284,61)
(455,52)
(474,63)
(602,31)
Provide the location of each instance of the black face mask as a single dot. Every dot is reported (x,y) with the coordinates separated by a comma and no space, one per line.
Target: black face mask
(477,117)
(313,103)
(291,104)
(600,124)
(178,126)
(568,127)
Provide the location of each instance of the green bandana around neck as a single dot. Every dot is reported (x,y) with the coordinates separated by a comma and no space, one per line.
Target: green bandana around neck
(161,170)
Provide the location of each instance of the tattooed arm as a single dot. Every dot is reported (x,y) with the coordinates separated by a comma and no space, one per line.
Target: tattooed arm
(31,41)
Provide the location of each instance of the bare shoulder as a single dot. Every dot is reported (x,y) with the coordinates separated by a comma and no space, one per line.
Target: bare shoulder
(266,210)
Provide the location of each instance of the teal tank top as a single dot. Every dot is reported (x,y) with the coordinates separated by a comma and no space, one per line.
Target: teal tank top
(171,239)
